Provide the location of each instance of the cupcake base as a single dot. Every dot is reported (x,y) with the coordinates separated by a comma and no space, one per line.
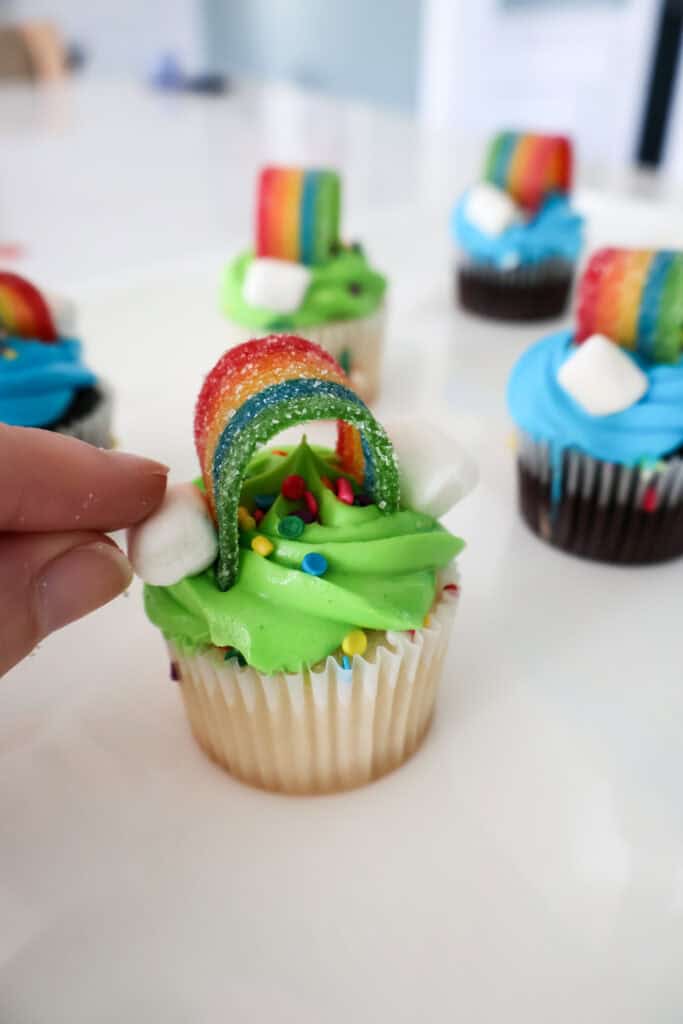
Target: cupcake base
(88,418)
(607,513)
(356,344)
(524,294)
(323,730)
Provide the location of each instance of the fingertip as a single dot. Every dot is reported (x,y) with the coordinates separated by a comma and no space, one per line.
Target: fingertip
(79,581)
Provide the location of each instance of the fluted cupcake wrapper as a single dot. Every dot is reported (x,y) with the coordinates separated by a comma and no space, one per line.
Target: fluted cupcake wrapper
(95,426)
(610,512)
(355,343)
(530,292)
(324,729)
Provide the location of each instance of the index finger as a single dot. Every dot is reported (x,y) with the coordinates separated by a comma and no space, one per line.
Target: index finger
(50,482)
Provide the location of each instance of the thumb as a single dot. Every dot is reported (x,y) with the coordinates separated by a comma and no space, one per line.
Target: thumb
(48,580)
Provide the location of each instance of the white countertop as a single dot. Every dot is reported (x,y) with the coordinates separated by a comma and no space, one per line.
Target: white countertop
(527,864)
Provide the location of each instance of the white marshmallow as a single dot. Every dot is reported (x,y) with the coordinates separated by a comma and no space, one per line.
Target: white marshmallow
(63,312)
(276,284)
(178,540)
(490,209)
(435,473)
(601,377)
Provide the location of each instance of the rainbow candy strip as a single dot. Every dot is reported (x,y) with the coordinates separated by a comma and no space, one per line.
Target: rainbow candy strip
(529,167)
(256,390)
(297,214)
(634,297)
(24,312)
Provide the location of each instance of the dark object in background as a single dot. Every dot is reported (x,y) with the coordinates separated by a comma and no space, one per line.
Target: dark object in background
(662,81)
(507,296)
(169,76)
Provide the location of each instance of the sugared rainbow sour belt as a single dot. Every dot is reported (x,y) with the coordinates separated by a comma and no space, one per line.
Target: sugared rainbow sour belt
(256,390)
(529,167)
(635,298)
(297,214)
(24,313)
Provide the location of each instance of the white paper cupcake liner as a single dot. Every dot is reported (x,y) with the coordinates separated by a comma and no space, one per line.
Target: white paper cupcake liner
(603,510)
(327,728)
(95,427)
(362,339)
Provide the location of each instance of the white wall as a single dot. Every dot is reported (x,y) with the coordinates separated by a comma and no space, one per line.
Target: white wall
(578,69)
(123,36)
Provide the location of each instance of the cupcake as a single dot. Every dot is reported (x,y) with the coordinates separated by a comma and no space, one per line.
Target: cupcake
(517,236)
(306,595)
(43,380)
(300,278)
(600,415)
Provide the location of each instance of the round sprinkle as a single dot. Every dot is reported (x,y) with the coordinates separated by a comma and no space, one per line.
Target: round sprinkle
(314,564)
(452,588)
(262,546)
(9,353)
(293,487)
(346,663)
(344,491)
(304,514)
(258,515)
(362,500)
(278,451)
(355,642)
(264,501)
(245,519)
(290,527)
(427,620)
(311,503)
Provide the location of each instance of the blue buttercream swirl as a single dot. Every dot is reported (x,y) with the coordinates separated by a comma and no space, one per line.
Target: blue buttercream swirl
(38,380)
(647,431)
(554,232)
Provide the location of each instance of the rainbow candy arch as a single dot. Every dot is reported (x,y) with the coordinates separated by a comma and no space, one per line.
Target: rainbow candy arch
(529,167)
(635,298)
(256,390)
(24,313)
(297,214)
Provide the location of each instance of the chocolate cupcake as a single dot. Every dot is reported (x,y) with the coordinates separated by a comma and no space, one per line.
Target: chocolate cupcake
(43,381)
(301,278)
(600,415)
(518,238)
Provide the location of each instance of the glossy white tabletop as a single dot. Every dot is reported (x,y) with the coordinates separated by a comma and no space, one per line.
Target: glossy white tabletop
(527,864)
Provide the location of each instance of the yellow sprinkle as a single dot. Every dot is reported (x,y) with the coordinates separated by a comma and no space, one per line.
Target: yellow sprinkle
(262,546)
(246,521)
(427,620)
(512,441)
(10,353)
(355,642)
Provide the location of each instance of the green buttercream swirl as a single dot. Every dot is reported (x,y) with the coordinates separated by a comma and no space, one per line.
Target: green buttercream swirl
(344,288)
(381,575)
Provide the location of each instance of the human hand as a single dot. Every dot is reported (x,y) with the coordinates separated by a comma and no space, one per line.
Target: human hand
(58,498)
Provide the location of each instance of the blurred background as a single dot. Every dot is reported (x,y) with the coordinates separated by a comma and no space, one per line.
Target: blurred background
(602,70)
(166,109)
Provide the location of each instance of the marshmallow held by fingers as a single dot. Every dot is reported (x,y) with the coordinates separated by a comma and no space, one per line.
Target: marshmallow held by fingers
(434,471)
(178,540)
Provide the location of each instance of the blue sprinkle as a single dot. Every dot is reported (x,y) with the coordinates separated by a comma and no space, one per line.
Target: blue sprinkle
(314,564)
(346,663)
(264,501)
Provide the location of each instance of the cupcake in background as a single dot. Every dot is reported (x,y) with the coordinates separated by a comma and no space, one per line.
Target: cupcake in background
(518,238)
(301,278)
(306,595)
(43,380)
(600,415)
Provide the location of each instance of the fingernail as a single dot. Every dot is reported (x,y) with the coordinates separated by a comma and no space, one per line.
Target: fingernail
(130,461)
(79,581)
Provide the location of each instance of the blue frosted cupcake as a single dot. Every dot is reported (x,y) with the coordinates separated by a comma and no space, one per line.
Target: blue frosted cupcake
(517,236)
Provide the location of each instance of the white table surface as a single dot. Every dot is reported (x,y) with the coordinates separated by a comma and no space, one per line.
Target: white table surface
(527,864)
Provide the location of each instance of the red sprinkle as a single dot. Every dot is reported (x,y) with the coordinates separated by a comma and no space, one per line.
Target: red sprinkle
(258,514)
(650,501)
(293,487)
(453,587)
(326,482)
(278,451)
(344,491)
(311,503)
